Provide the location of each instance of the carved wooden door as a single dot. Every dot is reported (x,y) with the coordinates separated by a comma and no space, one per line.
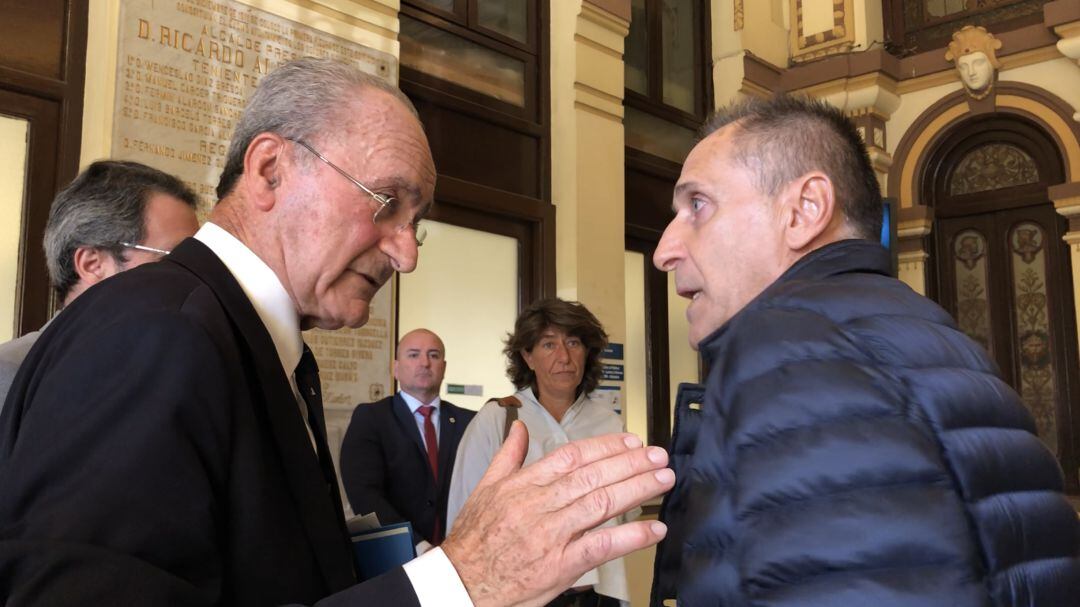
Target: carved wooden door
(1001,278)
(1004,273)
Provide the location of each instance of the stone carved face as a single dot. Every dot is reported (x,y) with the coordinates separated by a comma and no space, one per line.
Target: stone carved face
(976,71)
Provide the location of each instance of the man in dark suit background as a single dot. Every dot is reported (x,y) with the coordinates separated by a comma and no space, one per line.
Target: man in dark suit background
(164,443)
(386,462)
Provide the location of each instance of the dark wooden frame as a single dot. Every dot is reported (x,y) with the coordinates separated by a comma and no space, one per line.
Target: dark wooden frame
(646,219)
(653,103)
(53,106)
(532,120)
(529,112)
(903,40)
(1041,146)
(527,216)
(978,131)
(657,355)
(466,14)
(531,222)
(647,214)
(32,281)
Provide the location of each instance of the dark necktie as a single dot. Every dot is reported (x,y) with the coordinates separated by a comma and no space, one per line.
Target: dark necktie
(432,445)
(310,388)
(307,382)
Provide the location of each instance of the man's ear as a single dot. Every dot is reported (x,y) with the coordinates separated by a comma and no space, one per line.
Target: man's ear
(263,169)
(809,210)
(93,265)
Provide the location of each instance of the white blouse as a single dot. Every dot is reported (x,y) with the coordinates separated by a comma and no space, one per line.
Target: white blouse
(484,436)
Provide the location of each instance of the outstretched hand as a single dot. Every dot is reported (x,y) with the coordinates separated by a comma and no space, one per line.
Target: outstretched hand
(526,534)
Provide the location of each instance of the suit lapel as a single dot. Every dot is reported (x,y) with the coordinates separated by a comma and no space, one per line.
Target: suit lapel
(314,495)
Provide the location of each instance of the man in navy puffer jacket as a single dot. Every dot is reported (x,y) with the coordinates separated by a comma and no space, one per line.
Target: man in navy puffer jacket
(853,448)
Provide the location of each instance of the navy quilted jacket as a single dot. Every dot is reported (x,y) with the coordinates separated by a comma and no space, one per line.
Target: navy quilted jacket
(854,448)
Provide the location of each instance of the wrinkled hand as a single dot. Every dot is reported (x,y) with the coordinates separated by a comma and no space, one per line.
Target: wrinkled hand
(526,534)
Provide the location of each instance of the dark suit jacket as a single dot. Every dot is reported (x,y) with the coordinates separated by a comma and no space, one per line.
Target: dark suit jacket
(384,465)
(152,453)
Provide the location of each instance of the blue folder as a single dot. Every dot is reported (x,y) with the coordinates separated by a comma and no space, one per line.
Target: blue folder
(381,549)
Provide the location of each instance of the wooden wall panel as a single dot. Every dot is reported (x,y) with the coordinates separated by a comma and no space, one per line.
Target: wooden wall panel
(32,36)
(42,71)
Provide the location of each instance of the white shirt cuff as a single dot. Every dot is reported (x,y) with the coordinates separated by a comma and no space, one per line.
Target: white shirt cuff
(436,582)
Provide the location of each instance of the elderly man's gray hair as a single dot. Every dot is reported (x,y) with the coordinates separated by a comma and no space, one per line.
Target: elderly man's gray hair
(299,100)
(102,207)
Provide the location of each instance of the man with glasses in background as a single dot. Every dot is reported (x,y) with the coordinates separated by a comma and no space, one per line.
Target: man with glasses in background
(113,216)
(186,460)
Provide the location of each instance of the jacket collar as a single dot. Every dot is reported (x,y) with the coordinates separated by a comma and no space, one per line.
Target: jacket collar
(404,416)
(314,494)
(841,257)
(263,289)
(450,430)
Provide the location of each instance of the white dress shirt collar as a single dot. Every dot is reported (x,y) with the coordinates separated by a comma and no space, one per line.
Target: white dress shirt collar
(433,576)
(263,288)
(415,403)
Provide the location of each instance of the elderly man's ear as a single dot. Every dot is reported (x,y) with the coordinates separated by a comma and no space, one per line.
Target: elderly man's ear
(262,169)
(811,217)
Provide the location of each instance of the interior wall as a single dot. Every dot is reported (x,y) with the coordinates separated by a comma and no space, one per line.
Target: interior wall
(13,152)
(99,98)
(635,408)
(869,25)
(912,105)
(1059,76)
(727,53)
(465,290)
(587,160)
(761,34)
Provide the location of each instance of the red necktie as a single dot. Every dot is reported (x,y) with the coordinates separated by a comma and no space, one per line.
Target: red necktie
(432,445)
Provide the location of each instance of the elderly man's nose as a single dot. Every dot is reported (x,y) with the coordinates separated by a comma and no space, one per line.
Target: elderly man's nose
(402,249)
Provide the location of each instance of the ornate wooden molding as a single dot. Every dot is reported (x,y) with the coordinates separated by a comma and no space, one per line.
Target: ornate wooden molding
(739,15)
(1049,111)
(1024,46)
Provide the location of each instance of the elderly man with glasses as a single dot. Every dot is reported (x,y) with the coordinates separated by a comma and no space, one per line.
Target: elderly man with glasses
(113,216)
(169,447)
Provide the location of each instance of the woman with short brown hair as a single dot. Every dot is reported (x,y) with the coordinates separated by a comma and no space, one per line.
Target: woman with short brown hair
(553,359)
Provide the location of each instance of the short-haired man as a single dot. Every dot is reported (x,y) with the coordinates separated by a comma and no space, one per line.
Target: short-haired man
(398,453)
(853,446)
(169,447)
(114,216)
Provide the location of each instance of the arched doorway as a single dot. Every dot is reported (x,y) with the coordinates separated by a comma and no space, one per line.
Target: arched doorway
(1002,268)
